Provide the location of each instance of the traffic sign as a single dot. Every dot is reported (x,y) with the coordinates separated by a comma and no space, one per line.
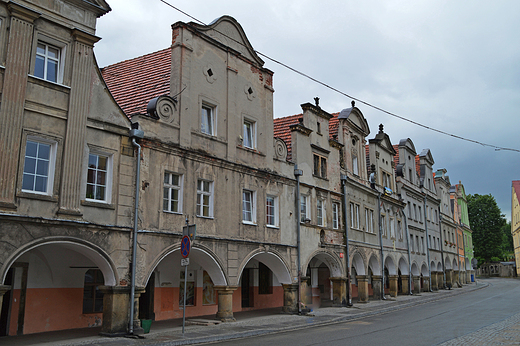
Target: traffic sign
(185,262)
(185,246)
(190,231)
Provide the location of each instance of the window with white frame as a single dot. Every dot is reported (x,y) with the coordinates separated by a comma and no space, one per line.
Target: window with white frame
(304,212)
(207,122)
(248,206)
(204,198)
(99,177)
(47,62)
(39,164)
(354,215)
(335,215)
(383,226)
(271,211)
(420,214)
(320,212)
(249,134)
(355,168)
(411,243)
(172,192)
(369,220)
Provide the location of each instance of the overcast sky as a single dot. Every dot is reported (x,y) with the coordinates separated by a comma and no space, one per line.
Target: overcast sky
(450,65)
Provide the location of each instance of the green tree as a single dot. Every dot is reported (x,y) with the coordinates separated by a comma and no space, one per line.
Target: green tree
(487,223)
(508,247)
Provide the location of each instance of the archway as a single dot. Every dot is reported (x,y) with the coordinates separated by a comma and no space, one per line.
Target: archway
(320,269)
(55,286)
(164,294)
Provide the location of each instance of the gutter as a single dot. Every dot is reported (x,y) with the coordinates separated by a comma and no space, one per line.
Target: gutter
(344,178)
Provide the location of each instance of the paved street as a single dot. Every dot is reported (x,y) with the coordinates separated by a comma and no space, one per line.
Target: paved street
(483,313)
(487,316)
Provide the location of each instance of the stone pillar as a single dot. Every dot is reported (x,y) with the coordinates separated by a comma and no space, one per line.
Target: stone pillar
(440,280)
(290,298)
(3,290)
(362,282)
(116,308)
(456,279)
(393,285)
(434,283)
(225,303)
(376,287)
(306,290)
(339,291)
(426,284)
(468,276)
(138,330)
(17,66)
(449,274)
(405,284)
(416,284)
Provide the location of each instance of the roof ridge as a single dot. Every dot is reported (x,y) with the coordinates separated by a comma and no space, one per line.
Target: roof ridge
(135,58)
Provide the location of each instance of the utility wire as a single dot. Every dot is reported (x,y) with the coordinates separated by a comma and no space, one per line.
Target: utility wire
(497,148)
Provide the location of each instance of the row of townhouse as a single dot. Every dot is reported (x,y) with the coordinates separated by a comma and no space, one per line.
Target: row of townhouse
(103,168)
(515,221)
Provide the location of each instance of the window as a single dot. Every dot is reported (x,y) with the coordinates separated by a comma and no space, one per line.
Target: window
(418,244)
(172,193)
(430,241)
(392,228)
(411,243)
(335,215)
(303,208)
(415,212)
(38,169)
(320,166)
(98,178)
(387,180)
(207,119)
(47,62)
(383,226)
(410,175)
(355,168)
(420,214)
(354,215)
(321,212)
(399,229)
(409,210)
(248,206)
(318,127)
(249,134)
(422,245)
(271,211)
(204,198)
(369,220)
(92,296)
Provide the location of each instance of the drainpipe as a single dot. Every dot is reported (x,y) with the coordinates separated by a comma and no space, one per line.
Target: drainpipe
(135,133)
(442,251)
(344,178)
(297,174)
(427,243)
(409,253)
(381,242)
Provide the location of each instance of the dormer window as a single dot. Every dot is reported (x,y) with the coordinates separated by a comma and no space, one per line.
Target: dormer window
(320,166)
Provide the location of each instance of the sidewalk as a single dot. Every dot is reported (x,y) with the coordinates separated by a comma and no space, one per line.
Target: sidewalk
(250,323)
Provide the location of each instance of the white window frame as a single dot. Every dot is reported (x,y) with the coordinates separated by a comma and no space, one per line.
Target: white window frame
(169,188)
(205,107)
(248,206)
(304,208)
(51,165)
(274,216)
(355,167)
(108,185)
(392,228)
(320,212)
(201,193)
(60,46)
(383,226)
(249,133)
(335,215)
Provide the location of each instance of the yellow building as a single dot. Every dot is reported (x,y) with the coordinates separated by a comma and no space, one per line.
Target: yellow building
(515,221)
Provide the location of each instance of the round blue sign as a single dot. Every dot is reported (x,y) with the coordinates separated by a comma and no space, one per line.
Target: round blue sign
(185,246)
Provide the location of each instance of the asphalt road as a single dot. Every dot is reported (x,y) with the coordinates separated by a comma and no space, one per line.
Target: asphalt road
(477,317)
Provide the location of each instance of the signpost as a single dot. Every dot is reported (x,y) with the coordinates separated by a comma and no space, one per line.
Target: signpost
(189,233)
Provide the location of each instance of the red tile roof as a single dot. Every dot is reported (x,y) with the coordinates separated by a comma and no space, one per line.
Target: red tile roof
(134,82)
(516,186)
(282,129)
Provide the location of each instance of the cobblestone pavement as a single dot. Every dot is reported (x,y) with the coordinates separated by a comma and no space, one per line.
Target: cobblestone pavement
(505,332)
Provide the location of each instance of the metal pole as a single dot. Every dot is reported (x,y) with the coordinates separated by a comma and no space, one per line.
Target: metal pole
(347,253)
(185,283)
(297,174)
(134,244)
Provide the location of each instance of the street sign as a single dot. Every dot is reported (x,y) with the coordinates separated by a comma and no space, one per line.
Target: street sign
(190,231)
(185,246)
(185,262)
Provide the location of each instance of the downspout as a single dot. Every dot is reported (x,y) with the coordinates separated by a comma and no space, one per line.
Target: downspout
(297,174)
(381,242)
(442,251)
(135,133)
(347,253)
(427,244)
(409,253)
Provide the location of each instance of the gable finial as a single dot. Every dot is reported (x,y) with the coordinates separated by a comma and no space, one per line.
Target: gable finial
(317,101)
(381,128)
(353,103)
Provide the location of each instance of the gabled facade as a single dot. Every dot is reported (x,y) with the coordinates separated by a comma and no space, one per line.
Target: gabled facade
(66,182)
(515,221)
(465,242)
